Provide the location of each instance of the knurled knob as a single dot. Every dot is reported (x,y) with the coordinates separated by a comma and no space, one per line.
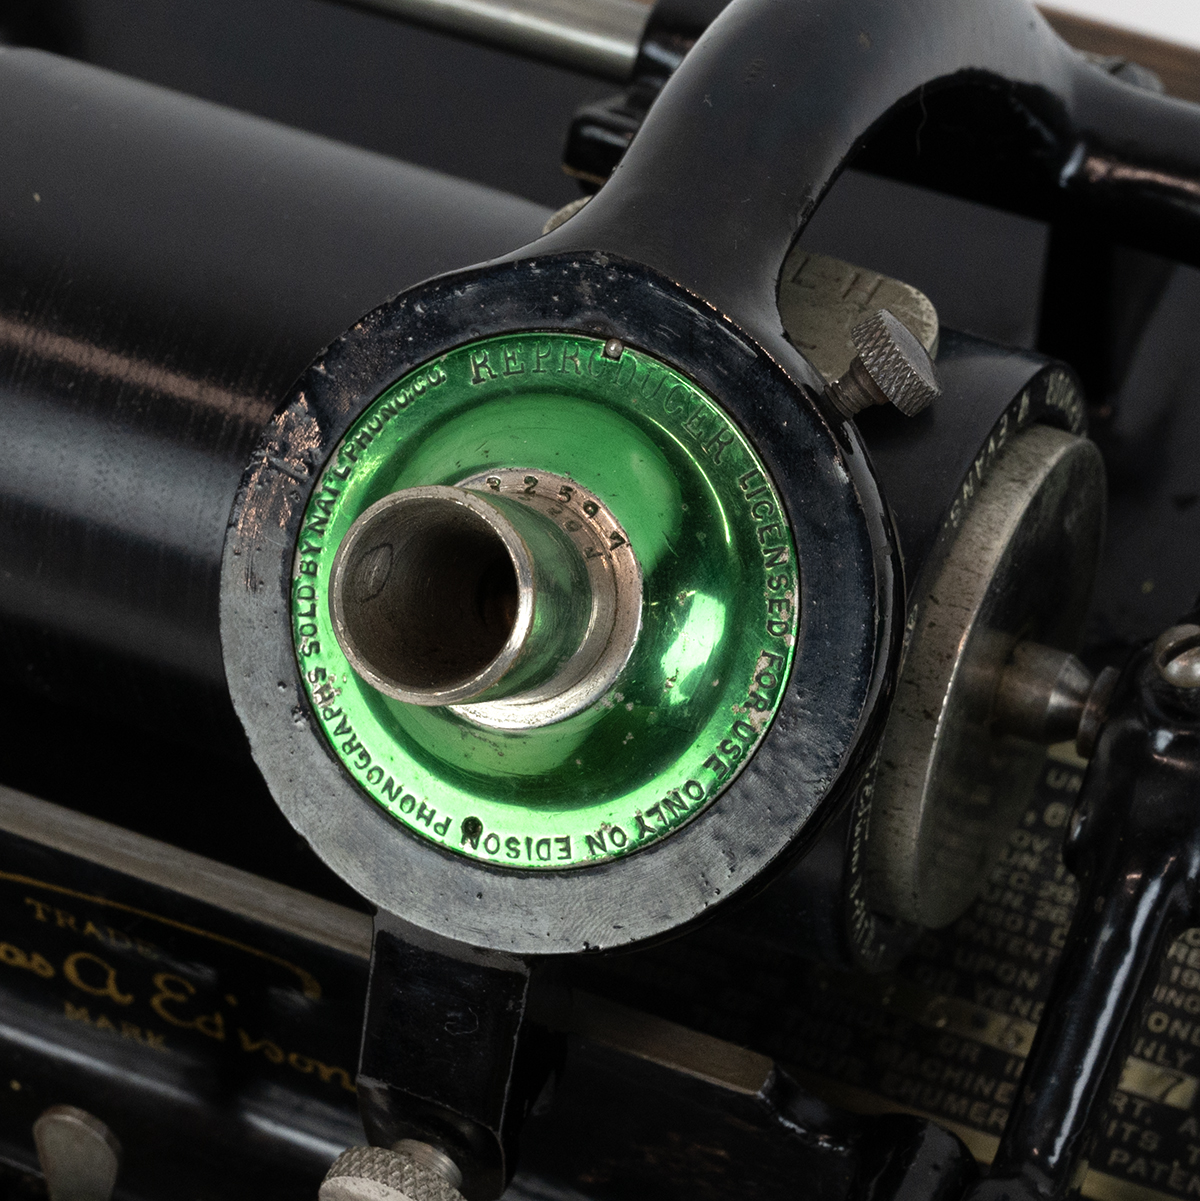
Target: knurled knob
(382,1174)
(892,367)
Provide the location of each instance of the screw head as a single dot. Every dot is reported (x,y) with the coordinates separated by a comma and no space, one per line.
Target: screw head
(78,1153)
(1177,656)
(898,365)
(383,1174)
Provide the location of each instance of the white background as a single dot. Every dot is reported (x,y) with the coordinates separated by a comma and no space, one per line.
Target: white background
(1172,20)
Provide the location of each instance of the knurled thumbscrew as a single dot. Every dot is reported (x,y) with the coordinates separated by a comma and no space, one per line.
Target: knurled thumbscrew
(410,1171)
(891,367)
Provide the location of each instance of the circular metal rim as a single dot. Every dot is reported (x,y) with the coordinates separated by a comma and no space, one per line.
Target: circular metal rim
(844,658)
(616,621)
(692,496)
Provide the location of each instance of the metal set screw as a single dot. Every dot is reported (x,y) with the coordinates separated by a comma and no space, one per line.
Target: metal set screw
(891,367)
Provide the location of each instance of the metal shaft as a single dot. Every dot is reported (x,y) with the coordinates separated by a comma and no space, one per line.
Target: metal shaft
(599,37)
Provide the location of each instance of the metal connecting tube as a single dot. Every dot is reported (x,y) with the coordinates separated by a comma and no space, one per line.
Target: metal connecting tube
(442,595)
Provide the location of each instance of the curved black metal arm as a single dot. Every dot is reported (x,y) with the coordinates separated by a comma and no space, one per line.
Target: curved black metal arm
(778,95)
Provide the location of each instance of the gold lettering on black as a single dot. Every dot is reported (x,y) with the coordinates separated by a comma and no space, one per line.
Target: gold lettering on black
(99,979)
(176,990)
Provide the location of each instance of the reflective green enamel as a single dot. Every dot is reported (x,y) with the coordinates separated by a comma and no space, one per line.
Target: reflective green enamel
(720,607)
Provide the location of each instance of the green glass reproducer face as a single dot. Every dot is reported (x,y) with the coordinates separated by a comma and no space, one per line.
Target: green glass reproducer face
(720,602)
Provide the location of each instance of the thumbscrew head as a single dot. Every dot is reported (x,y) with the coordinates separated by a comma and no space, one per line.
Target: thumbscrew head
(897,367)
(410,1171)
